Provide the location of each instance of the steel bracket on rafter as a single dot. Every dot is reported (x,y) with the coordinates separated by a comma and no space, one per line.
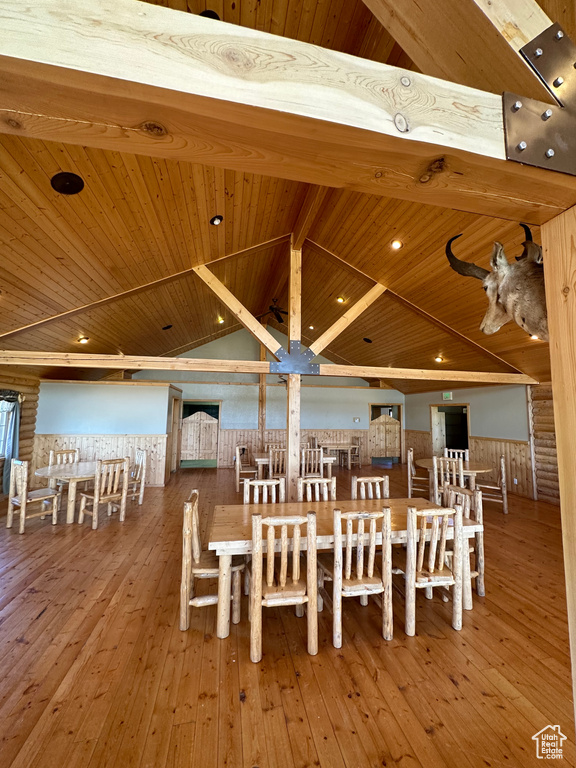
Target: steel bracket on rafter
(295,361)
(537,133)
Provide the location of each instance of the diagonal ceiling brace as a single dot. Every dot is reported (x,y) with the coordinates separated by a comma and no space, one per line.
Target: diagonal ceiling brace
(537,133)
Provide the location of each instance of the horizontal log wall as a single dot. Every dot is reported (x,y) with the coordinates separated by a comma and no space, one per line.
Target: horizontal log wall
(488,451)
(230,438)
(545,459)
(29,386)
(106,447)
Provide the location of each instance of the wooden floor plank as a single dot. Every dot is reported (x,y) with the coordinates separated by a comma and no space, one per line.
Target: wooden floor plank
(96,673)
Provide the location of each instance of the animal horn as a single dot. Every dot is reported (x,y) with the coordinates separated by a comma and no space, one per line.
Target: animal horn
(464,267)
(528,234)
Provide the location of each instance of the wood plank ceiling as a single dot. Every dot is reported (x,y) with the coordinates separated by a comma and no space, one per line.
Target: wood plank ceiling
(140,220)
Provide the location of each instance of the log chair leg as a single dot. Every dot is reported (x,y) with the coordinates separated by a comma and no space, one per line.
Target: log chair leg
(236,596)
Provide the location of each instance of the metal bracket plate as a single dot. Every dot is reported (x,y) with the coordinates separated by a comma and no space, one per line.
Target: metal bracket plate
(295,361)
(537,133)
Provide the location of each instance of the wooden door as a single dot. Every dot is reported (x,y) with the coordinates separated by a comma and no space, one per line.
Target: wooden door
(199,437)
(438,431)
(384,437)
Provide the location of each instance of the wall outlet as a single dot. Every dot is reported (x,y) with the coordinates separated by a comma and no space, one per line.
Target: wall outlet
(356,419)
(515,481)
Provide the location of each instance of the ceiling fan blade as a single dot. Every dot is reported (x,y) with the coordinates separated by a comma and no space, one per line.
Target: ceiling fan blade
(277,315)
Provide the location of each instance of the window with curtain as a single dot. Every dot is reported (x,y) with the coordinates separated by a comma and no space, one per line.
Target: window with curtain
(6,412)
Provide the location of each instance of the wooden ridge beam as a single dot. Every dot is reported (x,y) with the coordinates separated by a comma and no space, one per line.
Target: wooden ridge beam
(479,44)
(239,311)
(142,79)
(134,291)
(347,318)
(373,372)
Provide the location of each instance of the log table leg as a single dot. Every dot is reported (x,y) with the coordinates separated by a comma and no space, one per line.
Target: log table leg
(71,507)
(224,587)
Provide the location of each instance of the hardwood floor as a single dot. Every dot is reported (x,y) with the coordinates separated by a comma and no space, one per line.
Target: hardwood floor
(96,674)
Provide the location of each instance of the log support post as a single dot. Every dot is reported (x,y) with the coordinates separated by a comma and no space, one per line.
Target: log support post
(293,386)
(262,401)
(559,245)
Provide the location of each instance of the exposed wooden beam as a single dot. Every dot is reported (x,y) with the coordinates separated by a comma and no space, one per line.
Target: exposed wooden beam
(559,246)
(134,291)
(295,295)
(262,400)
(373,372)
(233,97)
(347,318)
(238,309)
(472,42)
(136,362)
(132,362)
(310,208)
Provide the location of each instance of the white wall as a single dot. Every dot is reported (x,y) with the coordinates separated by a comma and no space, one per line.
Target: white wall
(328,407)
(101,409)
(496,412)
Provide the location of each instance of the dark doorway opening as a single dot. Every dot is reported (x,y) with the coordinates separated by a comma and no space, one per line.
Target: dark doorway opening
(456,423)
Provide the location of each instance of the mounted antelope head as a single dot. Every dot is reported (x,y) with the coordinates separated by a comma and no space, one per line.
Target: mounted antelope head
(515,291)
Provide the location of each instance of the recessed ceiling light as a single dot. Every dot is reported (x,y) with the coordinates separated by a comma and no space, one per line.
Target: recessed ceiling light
(83,340)
(67,183)
(367,340)
(216,220)
(220,320)
(311,327)
(397,244)
(340,300)
(439,359)
(534,337)
(210,15)
(166,327)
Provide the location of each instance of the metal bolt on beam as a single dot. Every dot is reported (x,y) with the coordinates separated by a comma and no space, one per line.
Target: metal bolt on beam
(538,52)
(558,82)
(517,105)
(522,146)
(547,115)
(550,152)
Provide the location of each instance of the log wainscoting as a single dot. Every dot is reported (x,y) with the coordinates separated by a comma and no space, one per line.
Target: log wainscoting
(94,447)
(488,451)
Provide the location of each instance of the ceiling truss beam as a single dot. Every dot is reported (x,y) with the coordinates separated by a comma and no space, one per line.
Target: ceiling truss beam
(136,362)
(259,103)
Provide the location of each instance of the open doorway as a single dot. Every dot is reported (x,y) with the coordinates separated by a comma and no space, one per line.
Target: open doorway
(450,427)
(200,432)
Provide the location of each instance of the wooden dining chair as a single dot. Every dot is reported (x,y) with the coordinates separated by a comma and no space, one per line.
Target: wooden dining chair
(457,453)
(354,455)
(283,582)
(265,491)
(471,503)
(497,491)
(138,475)
(370,487)
(356,568)
(242,466)
(317,489)
(279,446)
(71,456)
(425,563)
(311,463)
(445,471)
(110,487)
(202,564)
(418,484)
(277,462)
(19,496)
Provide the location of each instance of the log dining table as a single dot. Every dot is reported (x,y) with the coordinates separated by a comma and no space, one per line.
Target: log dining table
(261,460)
(231,534)
(469,468)
(73,473)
